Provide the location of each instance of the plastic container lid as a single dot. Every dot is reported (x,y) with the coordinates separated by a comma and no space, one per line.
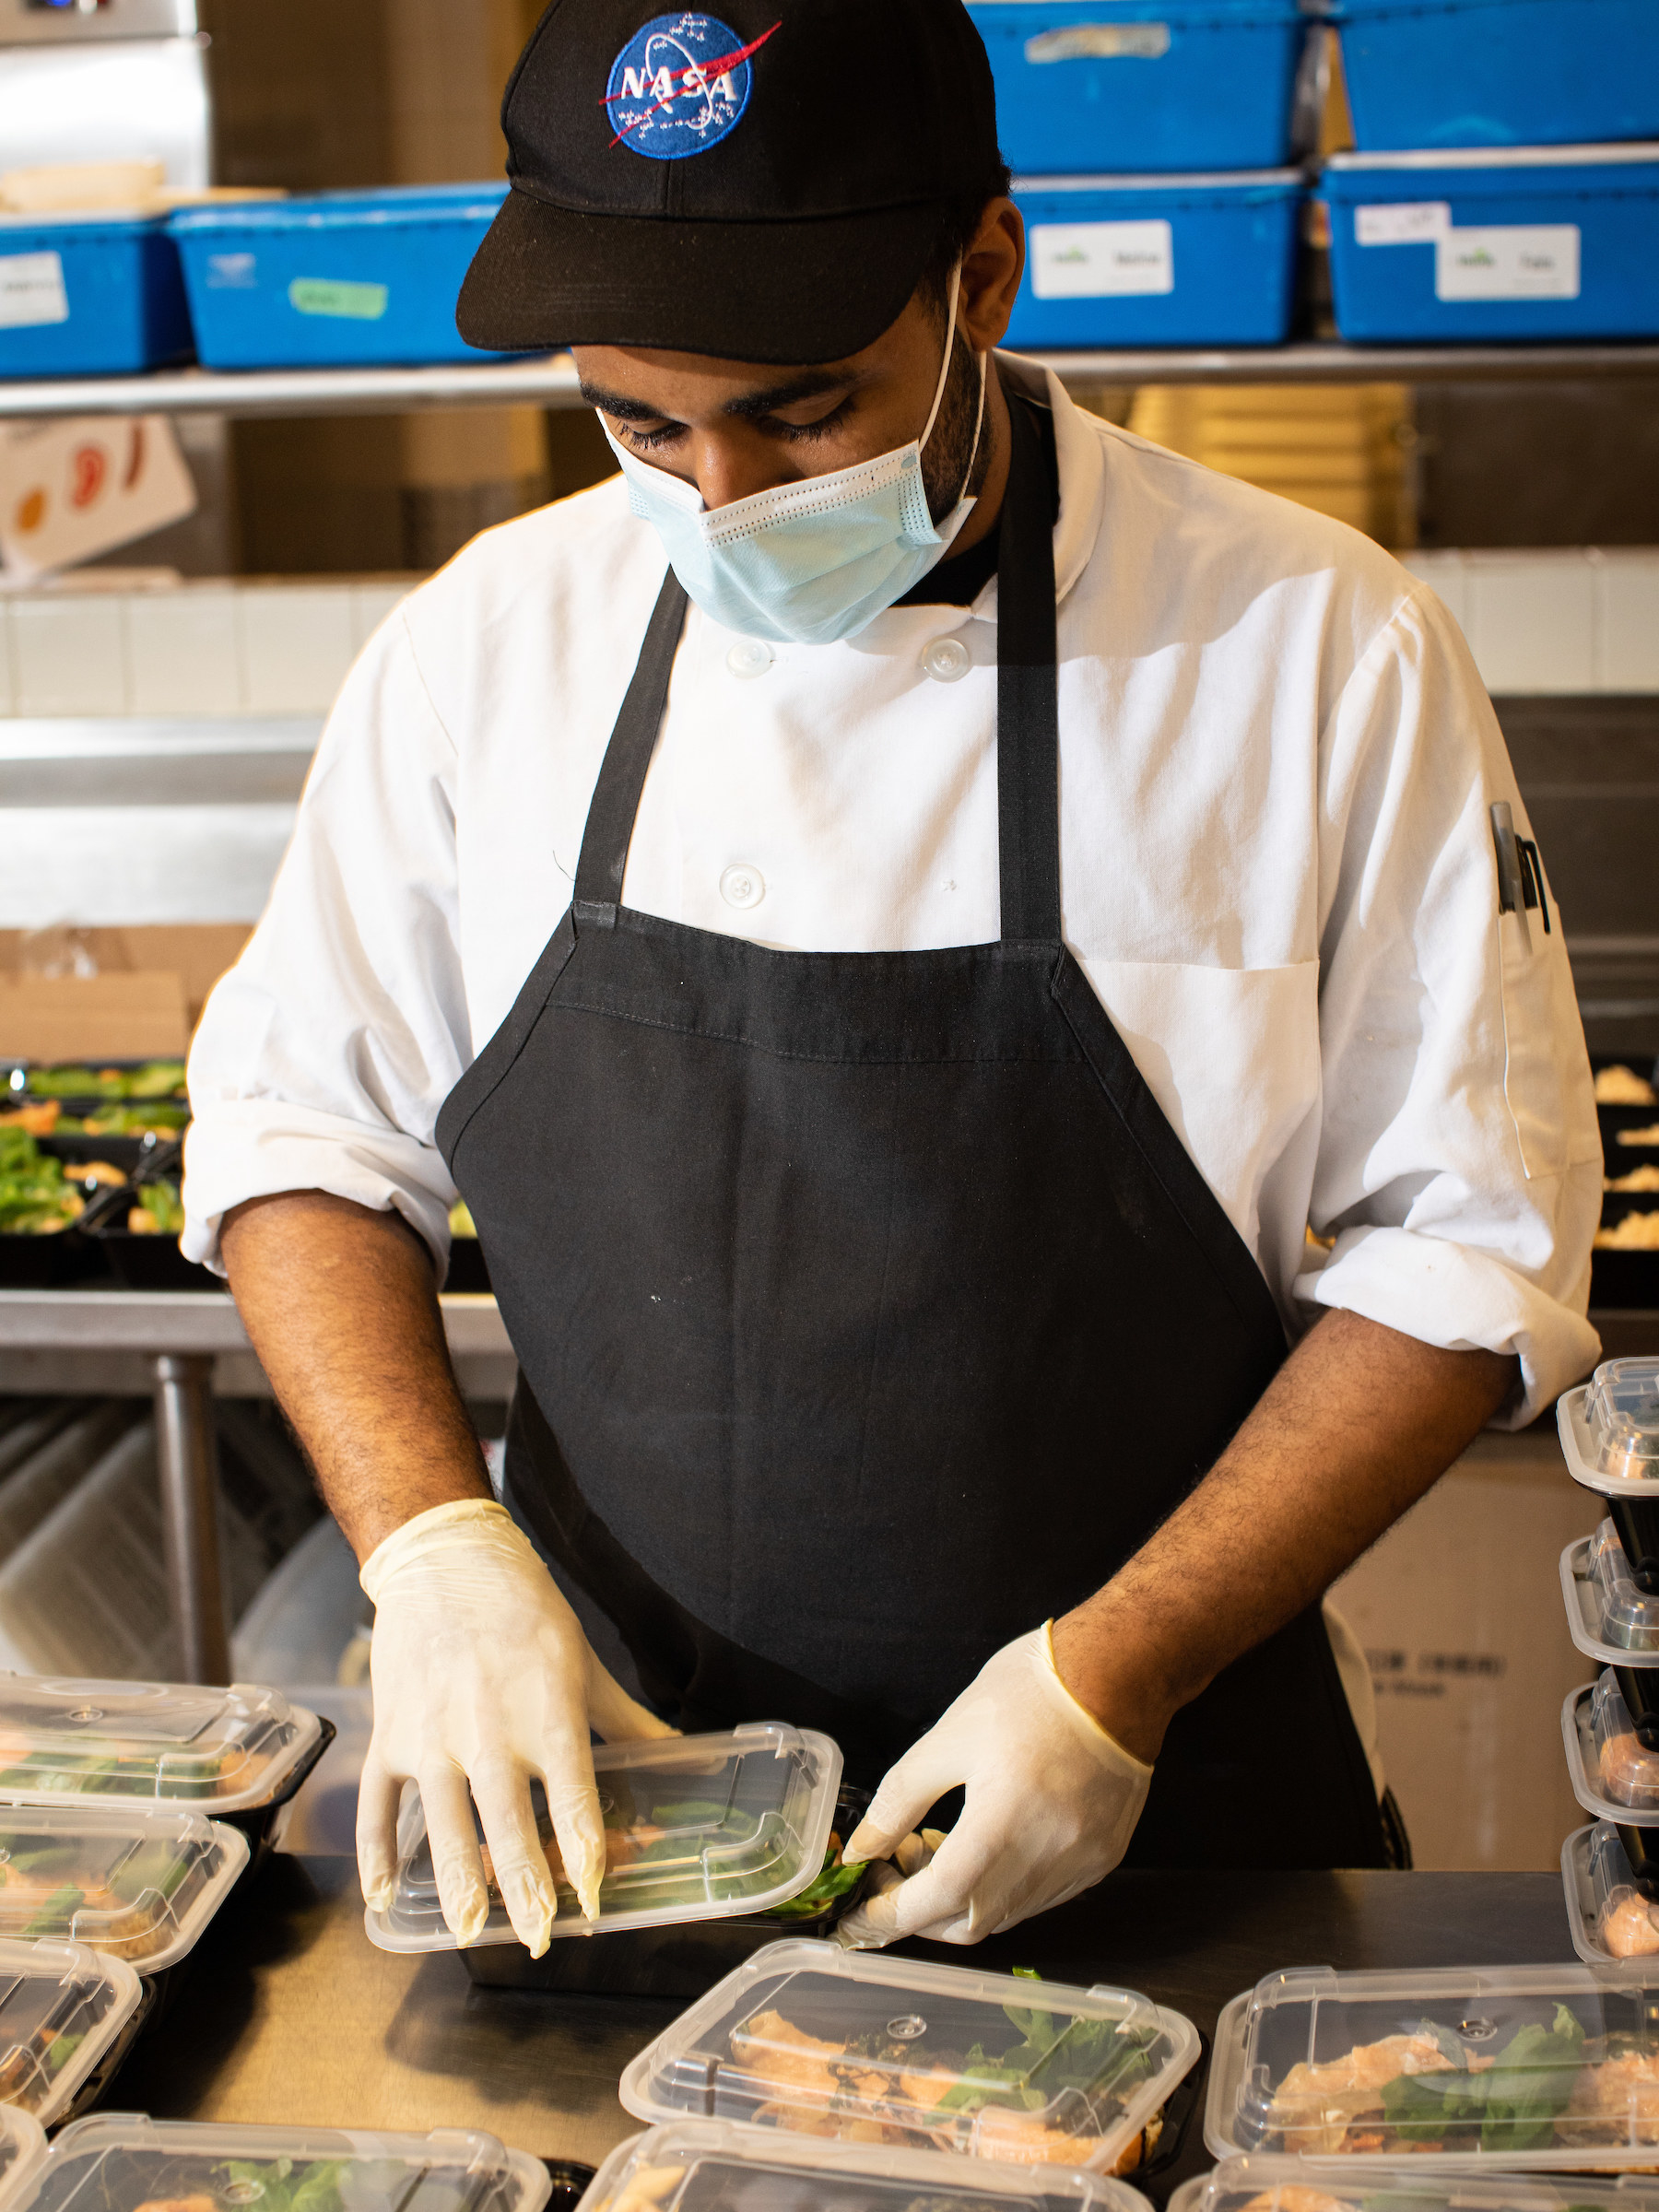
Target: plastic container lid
(822,2041)
(1612,1924)
(222,1750)
(1279,2184)
(1549,2067)
(138,1886)
(1603,1605)
(121,2160)
(62,2006)
(22,2148)
(1609,1428)
(1613,1775)
(697,1826)
(1599,155)
(716,2166)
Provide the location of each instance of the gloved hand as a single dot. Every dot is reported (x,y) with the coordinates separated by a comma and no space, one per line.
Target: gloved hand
(1052,1803)
(482,1676)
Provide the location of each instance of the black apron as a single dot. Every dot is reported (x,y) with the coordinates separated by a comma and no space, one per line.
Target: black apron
(868,1309)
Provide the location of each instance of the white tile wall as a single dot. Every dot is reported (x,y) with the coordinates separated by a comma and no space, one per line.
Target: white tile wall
(1573,621)
(214,648)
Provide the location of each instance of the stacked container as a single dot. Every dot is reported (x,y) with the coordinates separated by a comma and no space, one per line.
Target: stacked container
(1609,1431)
(1151,142)
(1506,185)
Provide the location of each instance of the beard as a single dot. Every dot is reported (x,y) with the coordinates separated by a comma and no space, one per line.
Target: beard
(951,469)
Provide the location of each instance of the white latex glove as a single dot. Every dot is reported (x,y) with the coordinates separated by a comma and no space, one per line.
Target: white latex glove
(482,1676)
(1052,1803)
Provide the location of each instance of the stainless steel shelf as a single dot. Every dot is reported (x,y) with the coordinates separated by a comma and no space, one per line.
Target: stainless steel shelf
(550,381)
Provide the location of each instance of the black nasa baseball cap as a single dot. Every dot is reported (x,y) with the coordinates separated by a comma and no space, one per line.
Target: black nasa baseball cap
(764,183)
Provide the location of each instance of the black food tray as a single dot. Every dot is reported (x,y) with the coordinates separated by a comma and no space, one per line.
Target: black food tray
(123,1152)
(49,1263)
(1624,1279)
(151,1263)
(263,1824)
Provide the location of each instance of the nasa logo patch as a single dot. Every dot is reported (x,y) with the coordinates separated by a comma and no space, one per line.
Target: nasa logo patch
(680,86)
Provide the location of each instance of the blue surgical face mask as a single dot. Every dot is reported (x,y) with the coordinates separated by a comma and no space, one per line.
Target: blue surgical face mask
(809,562)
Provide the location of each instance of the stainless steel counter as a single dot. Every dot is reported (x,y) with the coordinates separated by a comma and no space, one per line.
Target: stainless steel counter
(291,2014)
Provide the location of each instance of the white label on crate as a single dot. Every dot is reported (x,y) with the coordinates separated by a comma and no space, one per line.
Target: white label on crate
(1402,223)
(32,290)
(233,273)
(1101,42)
(1093,260)
(1508,261)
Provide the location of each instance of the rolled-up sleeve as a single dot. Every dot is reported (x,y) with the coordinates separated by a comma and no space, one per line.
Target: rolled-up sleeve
(323,1057)
(1459,1168)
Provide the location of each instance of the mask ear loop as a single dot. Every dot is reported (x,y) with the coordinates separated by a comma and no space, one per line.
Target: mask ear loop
(979,417)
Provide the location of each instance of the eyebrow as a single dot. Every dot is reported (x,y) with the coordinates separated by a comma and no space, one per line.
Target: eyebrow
(748,405)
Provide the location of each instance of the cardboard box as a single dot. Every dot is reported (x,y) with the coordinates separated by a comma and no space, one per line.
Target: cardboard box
(138,1016)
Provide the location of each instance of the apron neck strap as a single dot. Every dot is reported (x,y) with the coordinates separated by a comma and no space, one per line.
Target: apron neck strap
(1028,713)
(1028,719)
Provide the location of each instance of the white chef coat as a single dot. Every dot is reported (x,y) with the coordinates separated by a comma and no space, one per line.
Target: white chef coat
(1276,862)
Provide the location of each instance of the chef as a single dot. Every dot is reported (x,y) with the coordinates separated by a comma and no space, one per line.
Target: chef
(960,965)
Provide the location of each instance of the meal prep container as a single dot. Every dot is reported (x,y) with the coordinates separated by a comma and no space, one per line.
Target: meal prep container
(121,2160)
(238,1754)
(1432,72)
(1143,84)
(1609,1431)
(1554,2068)
(1614,1775)
(1517,243)
(22,2148)
(1610,1919)
(90,295)
(705,1827)
(1610,1623)
(682,1960)
(67,2019)
(948,2060)
(699,2165)
(334,278)
(131,1882)
(1158,260)
(1277,2184)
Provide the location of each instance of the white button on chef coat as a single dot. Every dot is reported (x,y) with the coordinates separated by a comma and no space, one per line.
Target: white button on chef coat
(750,656)
(742,886)
(947,659)
(1276,873)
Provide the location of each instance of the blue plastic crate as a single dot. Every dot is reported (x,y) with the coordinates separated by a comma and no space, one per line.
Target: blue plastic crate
(335,280)
(1158,260)
(1525,242)
(89,296)
(1427,73)
(1132,86)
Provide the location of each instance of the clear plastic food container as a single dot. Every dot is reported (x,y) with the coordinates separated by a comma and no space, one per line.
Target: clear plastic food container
(1609,1431)
(1614,1775)
(1260,2183)
(1551,2067)
(119,2162)
(138,1886)
(1608,1618)
(65,2015)
(22,2148)
(218,1750)
(1609,1919)
(714,2166)
(822,2042)
(697,1828)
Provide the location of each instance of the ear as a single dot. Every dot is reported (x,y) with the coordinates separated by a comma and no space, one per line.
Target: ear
(991,269)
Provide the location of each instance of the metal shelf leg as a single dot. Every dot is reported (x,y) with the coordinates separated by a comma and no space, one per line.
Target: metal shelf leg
(189,1474)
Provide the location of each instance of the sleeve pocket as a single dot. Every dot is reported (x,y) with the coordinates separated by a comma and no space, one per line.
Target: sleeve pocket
(1546,1071)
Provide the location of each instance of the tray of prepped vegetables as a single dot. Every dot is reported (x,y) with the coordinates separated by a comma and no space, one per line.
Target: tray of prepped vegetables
(128,1881)
(132,1099)
(811,2040)
(1259,2182)
(123,2162)
(67,2017)
(713,2166)
(1551,2067)
(702,1833)
(238,1754)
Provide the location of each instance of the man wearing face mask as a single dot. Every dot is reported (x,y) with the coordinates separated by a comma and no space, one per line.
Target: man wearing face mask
(895,915)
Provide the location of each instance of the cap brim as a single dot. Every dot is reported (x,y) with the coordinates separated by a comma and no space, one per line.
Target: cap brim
(757,291)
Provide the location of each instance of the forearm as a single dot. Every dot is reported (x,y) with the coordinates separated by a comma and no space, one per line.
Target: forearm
(1358,1423)
(341,1307)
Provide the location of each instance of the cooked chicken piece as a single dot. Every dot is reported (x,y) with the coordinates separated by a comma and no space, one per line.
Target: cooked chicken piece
(622,1847)
(1134,2155)
(1638,1178)
(774,2050)
(1316,2104)
(199,2202)
(1627,1772)
(1627,1927)
(1622,1087)
(1026,2140)
(646,2187)
(1623,2093)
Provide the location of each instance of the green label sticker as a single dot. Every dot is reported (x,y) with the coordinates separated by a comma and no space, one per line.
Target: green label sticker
(329,296)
